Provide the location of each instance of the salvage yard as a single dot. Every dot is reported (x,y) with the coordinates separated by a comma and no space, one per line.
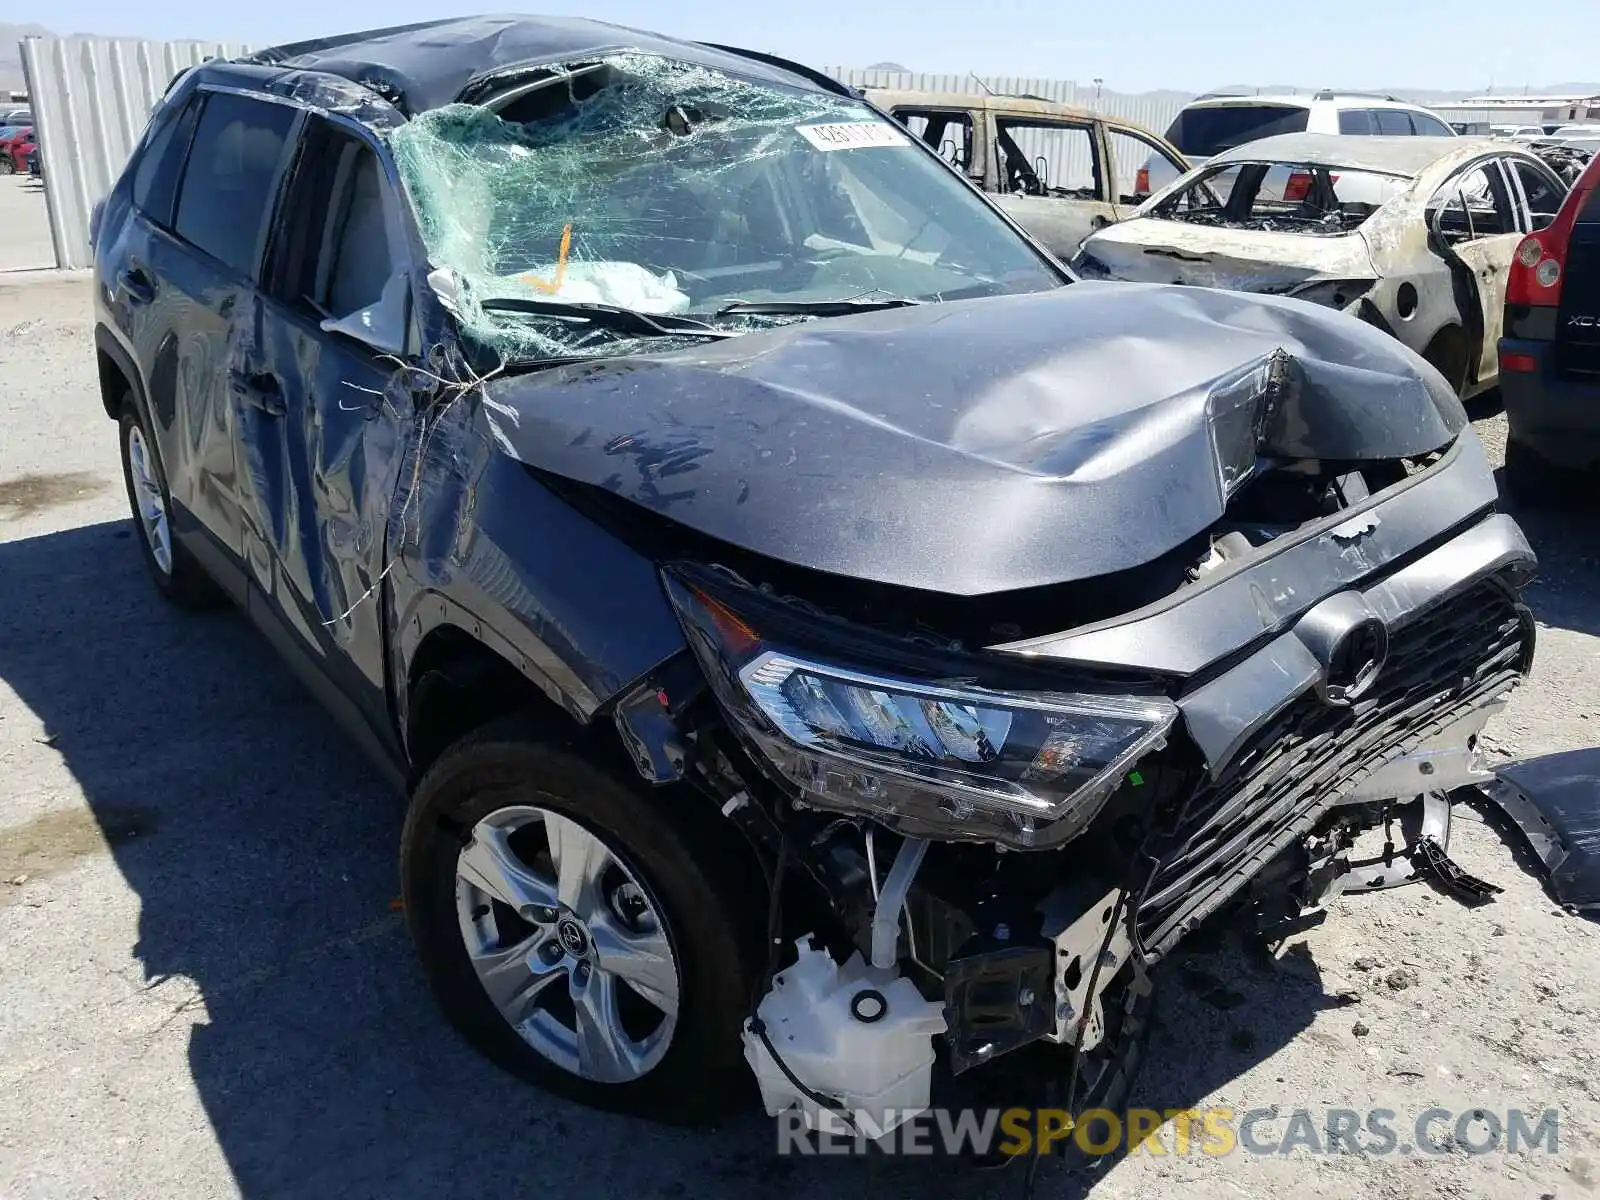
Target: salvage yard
(206,989)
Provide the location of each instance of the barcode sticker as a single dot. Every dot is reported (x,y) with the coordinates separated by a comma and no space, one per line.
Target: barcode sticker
(853,135)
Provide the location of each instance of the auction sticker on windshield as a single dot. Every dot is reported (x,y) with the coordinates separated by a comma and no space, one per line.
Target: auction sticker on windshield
(852,135)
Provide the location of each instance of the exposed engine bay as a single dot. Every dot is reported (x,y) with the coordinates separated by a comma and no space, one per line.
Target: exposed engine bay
(941,916)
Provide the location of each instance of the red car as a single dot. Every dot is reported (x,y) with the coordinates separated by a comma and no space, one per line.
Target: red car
(1550,354)
(15,146)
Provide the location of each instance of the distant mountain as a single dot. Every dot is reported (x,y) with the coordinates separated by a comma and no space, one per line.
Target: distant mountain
(11,54)
(888,66)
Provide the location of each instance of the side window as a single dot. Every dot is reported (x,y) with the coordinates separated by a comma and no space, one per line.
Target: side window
(1474,205)
(1133,162)
(227,185)
(155,179)
(1392,122)
(1042,158)
(1428,126)
(949,133)
(1356,121)
(336,259)
(1544,197)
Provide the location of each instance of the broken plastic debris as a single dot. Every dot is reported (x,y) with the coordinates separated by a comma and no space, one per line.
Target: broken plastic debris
(1355,528)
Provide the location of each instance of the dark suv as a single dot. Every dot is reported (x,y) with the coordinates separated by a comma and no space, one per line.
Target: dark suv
(1550,354)
(728,526)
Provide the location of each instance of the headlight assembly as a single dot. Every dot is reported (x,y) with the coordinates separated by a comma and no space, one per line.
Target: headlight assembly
(949,757)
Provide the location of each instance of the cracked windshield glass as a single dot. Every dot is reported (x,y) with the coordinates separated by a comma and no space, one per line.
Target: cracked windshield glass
(689,205)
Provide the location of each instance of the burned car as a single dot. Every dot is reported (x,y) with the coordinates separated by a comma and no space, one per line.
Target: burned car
(1061,172)
(825,645)
(1413,235)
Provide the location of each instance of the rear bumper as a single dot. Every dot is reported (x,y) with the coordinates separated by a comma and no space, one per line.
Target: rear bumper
(1557,418)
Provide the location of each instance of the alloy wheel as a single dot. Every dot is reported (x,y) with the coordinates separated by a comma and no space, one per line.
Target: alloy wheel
(151,505)
(568,943)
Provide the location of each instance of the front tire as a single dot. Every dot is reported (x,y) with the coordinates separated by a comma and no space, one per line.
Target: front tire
(575,933)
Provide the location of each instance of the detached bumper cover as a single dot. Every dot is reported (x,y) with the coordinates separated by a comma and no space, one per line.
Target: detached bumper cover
(1555,801)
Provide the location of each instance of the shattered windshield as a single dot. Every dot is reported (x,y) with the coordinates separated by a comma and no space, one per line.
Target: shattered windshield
(1283,197)
(713,204)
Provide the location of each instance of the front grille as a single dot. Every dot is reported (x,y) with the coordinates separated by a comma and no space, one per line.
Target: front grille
(1447,661)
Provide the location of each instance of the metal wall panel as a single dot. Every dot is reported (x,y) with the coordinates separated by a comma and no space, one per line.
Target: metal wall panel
(91,98)
(1154,112)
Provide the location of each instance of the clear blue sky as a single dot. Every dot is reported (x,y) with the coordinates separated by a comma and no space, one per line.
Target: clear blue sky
(1184,44)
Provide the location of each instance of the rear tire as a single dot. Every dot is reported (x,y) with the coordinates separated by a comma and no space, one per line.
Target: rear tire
(177,576)
(685,880)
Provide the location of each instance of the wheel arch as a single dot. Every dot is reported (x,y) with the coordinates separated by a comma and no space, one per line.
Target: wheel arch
(118,376)
(1450,351)
(454,683)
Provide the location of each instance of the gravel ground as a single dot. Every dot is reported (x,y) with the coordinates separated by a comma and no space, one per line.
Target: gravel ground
(24,227)
(205,991)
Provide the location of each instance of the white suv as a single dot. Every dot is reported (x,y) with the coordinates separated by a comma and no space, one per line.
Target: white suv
(1213,123)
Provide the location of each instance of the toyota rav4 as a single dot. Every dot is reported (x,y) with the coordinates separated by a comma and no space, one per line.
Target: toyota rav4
(823,642)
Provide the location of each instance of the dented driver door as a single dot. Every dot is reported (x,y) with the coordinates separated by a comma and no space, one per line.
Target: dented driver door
(320,463)
(1473,216)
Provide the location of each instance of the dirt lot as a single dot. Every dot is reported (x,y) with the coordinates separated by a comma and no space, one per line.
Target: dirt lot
(204,990)
(24,227)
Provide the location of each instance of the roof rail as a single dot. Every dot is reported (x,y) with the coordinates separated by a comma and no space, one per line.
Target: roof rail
(1330,93)
(1219,95)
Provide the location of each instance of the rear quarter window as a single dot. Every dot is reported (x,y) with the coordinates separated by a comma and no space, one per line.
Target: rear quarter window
(1211,129)
(155,177)
(1589,213)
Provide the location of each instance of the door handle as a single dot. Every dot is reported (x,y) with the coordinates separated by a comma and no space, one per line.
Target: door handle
(137,285)
(259,389)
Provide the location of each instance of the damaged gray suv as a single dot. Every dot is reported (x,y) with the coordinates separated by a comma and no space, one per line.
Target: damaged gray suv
(826,646)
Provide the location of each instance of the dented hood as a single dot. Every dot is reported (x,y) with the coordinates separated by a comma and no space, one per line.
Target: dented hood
(977,446)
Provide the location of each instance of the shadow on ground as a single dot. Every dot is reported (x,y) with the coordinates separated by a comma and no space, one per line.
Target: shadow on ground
(263,854)
(1567,591)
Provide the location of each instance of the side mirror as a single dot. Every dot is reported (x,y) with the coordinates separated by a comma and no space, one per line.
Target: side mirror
(382,325)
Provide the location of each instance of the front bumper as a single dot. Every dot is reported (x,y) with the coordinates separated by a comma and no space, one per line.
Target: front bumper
(1282,752)
(1557,418)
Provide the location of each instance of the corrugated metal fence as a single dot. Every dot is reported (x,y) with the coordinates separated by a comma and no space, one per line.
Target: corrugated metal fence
(91,98)
(1154,112)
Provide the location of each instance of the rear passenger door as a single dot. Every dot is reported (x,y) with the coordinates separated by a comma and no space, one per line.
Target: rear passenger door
(203,190)
(319,458)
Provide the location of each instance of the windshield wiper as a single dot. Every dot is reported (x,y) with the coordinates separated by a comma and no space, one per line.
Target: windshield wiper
(814,308)
(609,316)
